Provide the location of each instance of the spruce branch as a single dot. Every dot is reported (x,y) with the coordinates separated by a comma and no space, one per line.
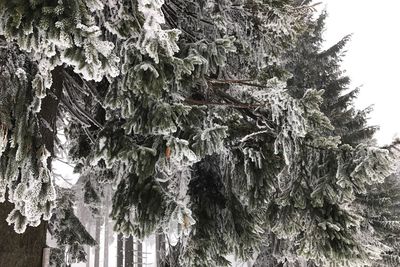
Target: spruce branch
(241,82)
(59,176)
(76,115)
(73,84)
(394,145)
(208,103)
(311,7)
(64,162)
(247,137)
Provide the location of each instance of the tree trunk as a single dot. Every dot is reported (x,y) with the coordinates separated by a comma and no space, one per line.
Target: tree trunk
(160,250)
(97,248)
(88,257)
(88,249)
(139,254)
(129,251)
(106,227)
(120,250)
(20,250)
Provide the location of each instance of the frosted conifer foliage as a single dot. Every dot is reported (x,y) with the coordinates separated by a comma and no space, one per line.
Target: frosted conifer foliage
(175,105)
(25,176)
(309,66)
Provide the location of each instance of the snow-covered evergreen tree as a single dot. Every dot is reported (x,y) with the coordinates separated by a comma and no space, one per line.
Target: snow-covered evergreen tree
(174,103)
(310,66)
(380,209)
(70,234)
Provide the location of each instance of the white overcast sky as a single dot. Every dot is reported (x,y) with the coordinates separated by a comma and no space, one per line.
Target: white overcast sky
(373,56)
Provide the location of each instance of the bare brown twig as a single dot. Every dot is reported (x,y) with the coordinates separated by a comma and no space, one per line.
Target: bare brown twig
(241,82)
(208,103)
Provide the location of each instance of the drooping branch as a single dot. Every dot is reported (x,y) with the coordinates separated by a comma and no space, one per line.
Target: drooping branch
(48,113)
(71,83)
(76,115)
